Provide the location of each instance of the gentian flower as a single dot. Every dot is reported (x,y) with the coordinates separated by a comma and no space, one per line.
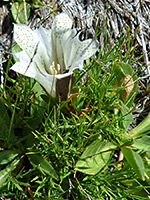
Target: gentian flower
(50,56)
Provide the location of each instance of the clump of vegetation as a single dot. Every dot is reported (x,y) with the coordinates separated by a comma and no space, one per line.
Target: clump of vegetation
(80,148)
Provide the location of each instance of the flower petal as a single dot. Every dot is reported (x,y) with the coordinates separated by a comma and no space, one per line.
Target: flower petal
(70,45)
(86,50)
(26,64)
(61,23)
(44,37)
(24,69)
(76,51)
(22,56)
(43,57)
(57,53)
(25,38)
(48,83)
(76,65)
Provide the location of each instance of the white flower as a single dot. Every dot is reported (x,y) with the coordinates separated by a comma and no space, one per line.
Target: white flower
(50,56)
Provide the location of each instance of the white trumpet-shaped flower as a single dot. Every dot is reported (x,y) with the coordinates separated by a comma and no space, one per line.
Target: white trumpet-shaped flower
(50,56)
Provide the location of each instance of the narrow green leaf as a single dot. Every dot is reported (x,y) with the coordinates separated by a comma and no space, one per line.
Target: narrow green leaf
(38,106)
(102,92)
(43,165)
(38,4)
(95,157)
(7,156)
(127,117)
(5,132)
(142,143)
(5,173)
(135,161)
(142,129)
(146,159)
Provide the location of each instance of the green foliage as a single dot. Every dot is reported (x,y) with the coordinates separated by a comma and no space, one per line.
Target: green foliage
(67,150)
(21,10)
(135,161)
(142,129)
(7,156)
(5,173)
(19,13)
(95,157)
(7,133)
(42,164)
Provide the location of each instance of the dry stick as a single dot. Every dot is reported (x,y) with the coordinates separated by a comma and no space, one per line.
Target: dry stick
(34,53)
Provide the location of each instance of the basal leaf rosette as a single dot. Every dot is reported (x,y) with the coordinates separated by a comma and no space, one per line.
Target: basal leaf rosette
(50,56)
